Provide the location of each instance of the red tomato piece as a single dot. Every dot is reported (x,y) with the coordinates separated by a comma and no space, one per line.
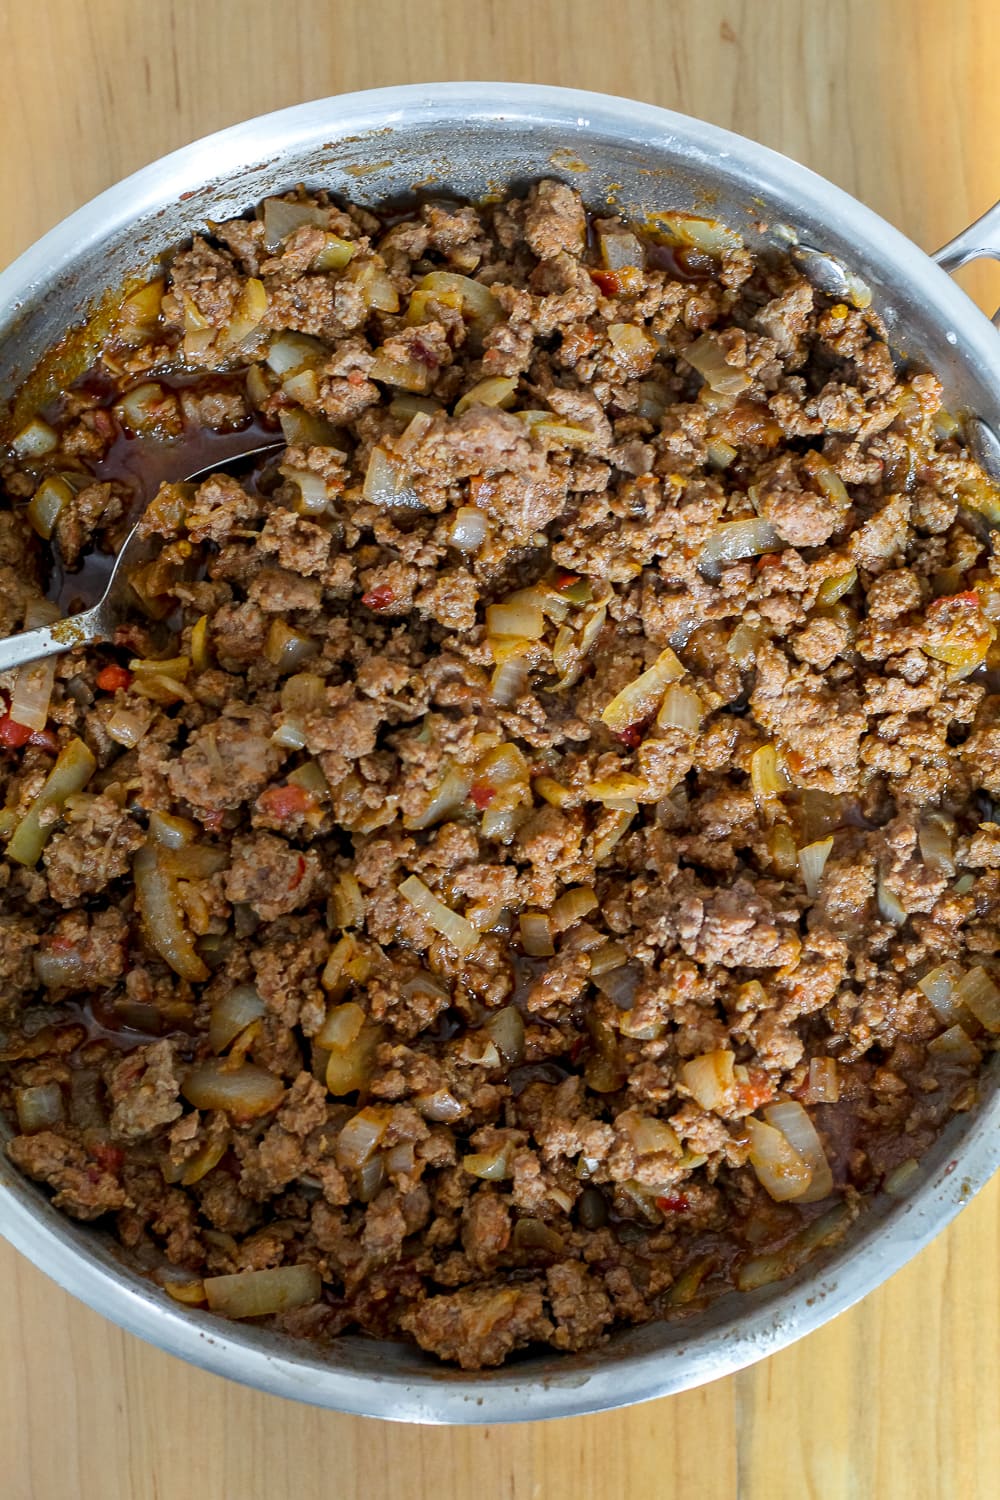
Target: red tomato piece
(113,677)
(607,281)
(13,736)
(379,598)
(673,1203)
(481,794)
(283,802)
(631,736)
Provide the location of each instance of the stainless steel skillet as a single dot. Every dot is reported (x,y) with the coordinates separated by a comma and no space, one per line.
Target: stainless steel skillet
(475,139)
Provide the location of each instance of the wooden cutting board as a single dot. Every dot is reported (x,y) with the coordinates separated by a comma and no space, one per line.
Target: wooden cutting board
(897,101)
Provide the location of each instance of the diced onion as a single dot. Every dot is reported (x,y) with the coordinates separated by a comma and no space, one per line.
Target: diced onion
(766,778)
(334,255)
(634,347)
(832,589)
(282,218)
(521,616)
(452,790)
(620,791)
(491,1166)
(649,1136)
(286,648)
(734,540)
(889,904)
(707,357)
(127,726)
(938,985)
(350,1067)
(248,315)
(232,1013)
(902,1179)
(478,302)
(781,1170)
(348,902)
(709,1079)
(441,1106)
(31,693)
(73,769)
(612,832)
(245,1092)
(510,680)
(570,434)
(812,862)
(160,908)
(291,351)
(47,505)
(496,390)
(35,439)
(468,529)
(39,1107)
(460,933)
(608,956)
(506,1031)
(640,699)
(536,934)
(618,984)
(171,831)
(956,1046)
(797,1128)
(977,992)
(936,847)
(383,484)
(620,249)
(361,1136)
(704,234)
(58,971)
(742,644)
(342,1026)
(681,709)
(259,1294)
(720,454)
(571,906)
(824,1080)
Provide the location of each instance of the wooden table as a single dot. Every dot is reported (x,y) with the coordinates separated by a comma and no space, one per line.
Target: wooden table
(897,100)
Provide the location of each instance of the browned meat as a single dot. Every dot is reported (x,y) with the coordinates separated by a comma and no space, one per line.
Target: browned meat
(437,905)
(479,1327)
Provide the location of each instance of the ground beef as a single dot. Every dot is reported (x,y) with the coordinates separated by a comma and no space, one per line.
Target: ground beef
(418,894)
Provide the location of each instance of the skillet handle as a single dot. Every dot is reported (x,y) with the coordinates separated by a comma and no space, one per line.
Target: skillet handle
(980,241)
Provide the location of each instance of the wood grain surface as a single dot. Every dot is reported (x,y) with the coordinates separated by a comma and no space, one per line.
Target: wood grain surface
(897,101)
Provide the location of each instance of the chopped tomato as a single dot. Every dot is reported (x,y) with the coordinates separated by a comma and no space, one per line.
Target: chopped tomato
(631,736)
(607,281)
(566,580)
(113,677)
(672,1203)
(481,794)
(212,821)
(300,870)
(379,598)
(283,802)
(13,736)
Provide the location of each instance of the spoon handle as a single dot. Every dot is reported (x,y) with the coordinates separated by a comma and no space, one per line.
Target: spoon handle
(50,640)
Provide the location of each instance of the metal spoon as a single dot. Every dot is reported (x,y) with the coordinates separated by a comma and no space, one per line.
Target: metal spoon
(100,622)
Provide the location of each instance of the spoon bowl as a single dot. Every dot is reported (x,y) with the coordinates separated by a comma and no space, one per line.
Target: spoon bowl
(118,601)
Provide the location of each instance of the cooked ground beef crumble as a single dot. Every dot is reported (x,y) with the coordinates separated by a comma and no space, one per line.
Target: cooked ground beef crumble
(532,864)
